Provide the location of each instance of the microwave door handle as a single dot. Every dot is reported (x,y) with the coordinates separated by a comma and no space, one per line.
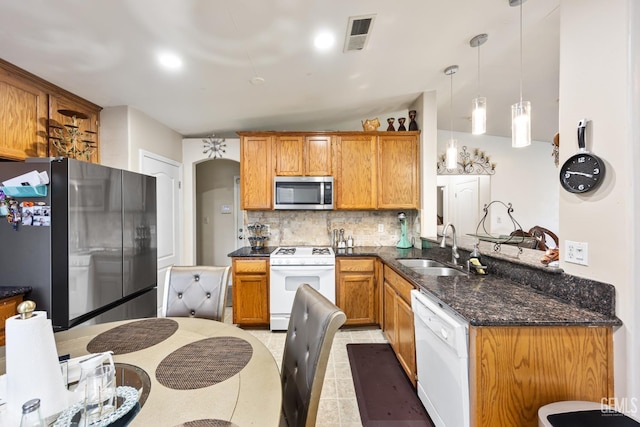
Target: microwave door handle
(322,193)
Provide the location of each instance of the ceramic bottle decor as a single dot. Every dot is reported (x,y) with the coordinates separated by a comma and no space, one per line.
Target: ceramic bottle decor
(412,123)
(401,121)
(390,128)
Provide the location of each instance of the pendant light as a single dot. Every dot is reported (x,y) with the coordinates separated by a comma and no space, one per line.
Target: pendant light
(451,155)
(520,111)
(479,111)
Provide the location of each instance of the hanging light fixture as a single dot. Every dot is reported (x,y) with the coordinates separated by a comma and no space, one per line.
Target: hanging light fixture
(520,111)
(479,111)
(451,155)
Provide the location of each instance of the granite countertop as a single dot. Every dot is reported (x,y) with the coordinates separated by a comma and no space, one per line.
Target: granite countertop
(11,291)
(512,294)
(246,251)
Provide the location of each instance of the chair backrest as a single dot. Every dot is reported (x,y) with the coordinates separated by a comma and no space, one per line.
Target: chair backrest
(312,326)
(195,291)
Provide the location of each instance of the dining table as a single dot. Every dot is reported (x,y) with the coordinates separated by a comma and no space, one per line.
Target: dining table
(190,371)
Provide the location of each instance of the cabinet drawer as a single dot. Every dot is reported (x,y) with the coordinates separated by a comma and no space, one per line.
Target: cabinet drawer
(349,265)
(250,266)
(401,286)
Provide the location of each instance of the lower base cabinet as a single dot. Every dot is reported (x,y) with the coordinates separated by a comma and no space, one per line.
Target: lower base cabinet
(357,290)
(513,371)
(250,291)
(398,320)
(8,308)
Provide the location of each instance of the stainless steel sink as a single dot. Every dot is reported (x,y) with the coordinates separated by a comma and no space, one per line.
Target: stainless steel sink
(420,263)
(438,271)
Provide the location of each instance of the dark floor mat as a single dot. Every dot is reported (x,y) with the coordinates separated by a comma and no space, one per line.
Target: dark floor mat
(385,395)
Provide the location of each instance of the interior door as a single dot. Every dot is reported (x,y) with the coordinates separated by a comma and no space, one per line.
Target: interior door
(169,207)
(465,214)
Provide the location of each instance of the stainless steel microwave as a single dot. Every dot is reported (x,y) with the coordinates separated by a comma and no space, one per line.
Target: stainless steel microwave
(303,192)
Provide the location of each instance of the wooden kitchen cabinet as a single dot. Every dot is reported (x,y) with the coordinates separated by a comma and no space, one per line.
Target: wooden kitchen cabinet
(23,116)
(355,171)
(256,171)
(398,171)
(303,155)
(28,105)
(357,290)
(7,309)
(514,371)
(371,170)
(398,320)
(250,291)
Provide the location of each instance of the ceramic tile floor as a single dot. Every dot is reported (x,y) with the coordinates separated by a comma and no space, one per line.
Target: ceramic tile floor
(338,405)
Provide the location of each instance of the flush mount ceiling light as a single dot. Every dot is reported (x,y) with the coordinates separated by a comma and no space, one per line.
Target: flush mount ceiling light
(324,41)
(479,112)
(170,61)
(520,111)
(451,155)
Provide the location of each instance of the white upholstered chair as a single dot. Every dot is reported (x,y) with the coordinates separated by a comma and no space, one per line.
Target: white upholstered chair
(312,326)
(195,291)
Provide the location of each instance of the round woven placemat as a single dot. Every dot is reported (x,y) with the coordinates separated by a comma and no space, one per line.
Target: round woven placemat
(204,363)
(133,336)
(207,423)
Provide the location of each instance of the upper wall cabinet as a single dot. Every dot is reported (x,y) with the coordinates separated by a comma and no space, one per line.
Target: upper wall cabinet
(29,106)
(303,155)
(355,171)
(23,116)
(371,170)
(256,171)
(398,171)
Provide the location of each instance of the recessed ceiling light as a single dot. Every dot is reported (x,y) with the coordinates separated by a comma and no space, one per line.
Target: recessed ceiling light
(257,81)
(169,60)
(324,41)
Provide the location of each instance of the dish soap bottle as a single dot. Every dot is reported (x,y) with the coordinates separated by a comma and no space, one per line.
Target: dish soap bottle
(474,259)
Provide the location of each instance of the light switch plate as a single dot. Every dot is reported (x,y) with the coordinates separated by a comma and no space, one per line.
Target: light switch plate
(576,252)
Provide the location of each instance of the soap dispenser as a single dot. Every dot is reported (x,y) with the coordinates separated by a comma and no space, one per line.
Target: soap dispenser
(475,262)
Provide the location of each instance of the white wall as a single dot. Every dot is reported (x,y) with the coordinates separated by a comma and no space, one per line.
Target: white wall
(125,130)
(427,117)
(599,79)
(525,177)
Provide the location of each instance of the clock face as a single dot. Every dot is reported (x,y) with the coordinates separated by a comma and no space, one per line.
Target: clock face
(581,173)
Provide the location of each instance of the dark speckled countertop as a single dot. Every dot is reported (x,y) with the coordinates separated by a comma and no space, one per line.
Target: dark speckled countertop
(510,295)
(11,291)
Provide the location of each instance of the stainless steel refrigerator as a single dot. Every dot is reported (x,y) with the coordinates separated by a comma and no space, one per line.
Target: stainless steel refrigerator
(88,248)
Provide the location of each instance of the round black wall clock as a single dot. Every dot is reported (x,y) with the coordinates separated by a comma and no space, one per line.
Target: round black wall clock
(583,171)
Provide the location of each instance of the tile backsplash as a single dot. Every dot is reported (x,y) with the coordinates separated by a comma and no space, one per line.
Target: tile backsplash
(290,228)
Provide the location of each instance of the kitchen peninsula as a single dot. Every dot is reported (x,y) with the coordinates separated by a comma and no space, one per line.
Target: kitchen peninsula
(536,335)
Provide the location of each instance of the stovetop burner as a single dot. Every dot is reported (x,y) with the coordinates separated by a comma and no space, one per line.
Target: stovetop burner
(321,251)
(285,251)
(308,255)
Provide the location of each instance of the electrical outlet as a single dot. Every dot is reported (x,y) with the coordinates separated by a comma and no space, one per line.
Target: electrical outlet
(576,252)
(380,228)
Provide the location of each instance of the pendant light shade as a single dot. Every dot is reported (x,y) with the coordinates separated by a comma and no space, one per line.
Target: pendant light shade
(521,124)
(451,155)
(520,111)
(479,116)
(479,104)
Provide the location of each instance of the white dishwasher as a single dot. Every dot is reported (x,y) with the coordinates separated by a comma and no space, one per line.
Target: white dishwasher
(442,361)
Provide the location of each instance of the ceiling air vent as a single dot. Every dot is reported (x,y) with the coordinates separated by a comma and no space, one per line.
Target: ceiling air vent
(358,31)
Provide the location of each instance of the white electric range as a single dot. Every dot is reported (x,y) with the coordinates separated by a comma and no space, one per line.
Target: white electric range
(292,266)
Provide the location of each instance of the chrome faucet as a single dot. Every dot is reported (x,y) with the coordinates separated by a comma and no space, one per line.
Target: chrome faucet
(454,246)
